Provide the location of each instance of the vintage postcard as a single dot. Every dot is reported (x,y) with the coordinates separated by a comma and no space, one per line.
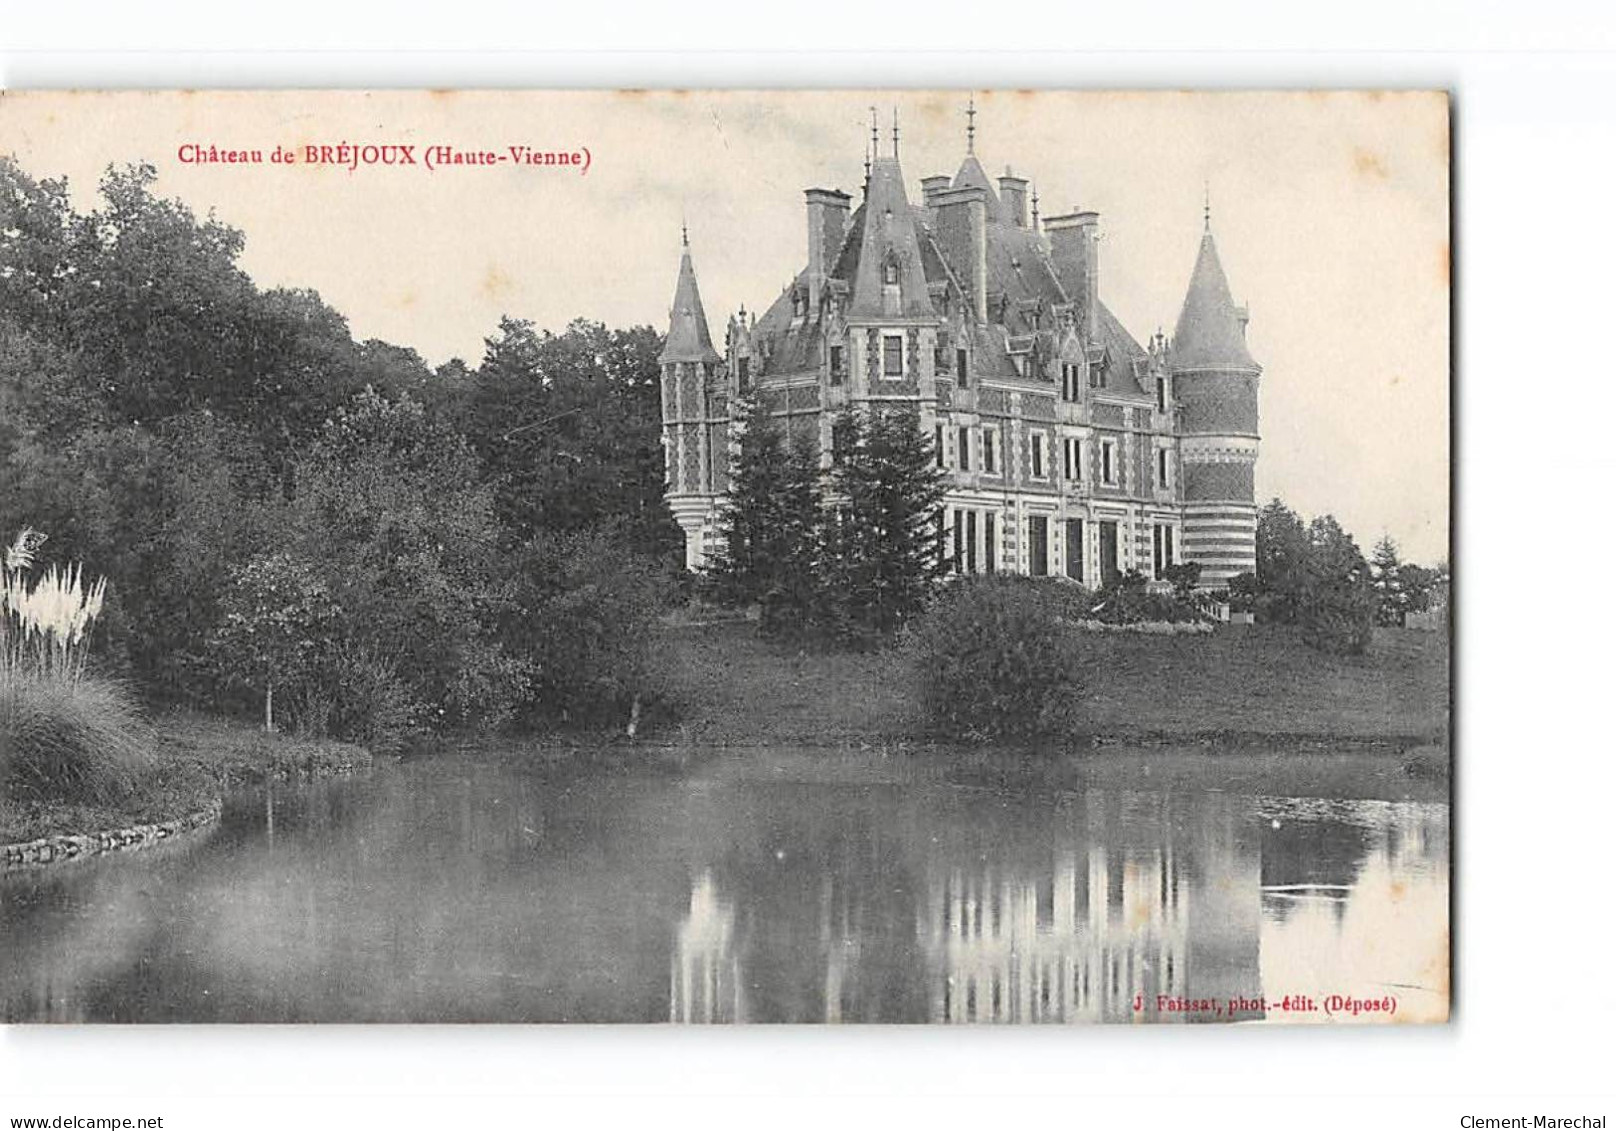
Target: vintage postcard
(839,556)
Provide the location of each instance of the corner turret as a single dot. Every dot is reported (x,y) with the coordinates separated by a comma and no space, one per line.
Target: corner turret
(1213,384)
(695,415)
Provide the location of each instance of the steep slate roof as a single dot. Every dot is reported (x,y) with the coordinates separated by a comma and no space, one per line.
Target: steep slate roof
(688,336)
(972,175)
(888,230)
(791,345)
(1127,356)
(1019,270)
(1210,332)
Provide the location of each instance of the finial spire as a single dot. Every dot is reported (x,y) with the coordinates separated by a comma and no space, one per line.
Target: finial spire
(1206,207)
(875,135)
(684,232)
(1035,207)
(894,132)
(970,124)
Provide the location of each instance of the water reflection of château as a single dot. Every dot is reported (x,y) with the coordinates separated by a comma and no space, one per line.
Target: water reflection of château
(1026,913)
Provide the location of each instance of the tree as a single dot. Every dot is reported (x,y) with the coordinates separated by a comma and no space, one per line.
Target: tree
(1282,554)
(767,552)
(276,612)
(884,543)
(1386,573)
(569,429)
(1338,603)
(392,505)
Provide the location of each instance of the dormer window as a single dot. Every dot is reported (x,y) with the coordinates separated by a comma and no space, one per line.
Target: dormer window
(1161,394)
(889,271)
(743,373)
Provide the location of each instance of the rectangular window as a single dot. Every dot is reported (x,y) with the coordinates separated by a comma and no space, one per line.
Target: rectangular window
(970,541)
(1157,562)
(744,373)
(1108,462)
(1161,468)
(990,450)
(837,373)
(1038,455)
(1161,394)
(959,541)
(990,541)
(892,355)
(960,371)
(964,448)
(938,443)
(1074,458)
(1038,546)
(1074,549)
(1071,378)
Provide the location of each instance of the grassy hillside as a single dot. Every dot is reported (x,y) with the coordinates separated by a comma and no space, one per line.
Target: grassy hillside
(1237,682)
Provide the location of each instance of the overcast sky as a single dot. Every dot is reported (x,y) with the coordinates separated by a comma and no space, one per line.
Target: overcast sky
(1330,211)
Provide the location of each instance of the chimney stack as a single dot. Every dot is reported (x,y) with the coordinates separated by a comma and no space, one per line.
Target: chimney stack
(1013,193)
(827,224)
(1074,246)
(931,186)
(963,235)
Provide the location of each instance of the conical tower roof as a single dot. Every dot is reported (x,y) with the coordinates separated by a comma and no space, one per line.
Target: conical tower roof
(688,336)
(888,235)
(1211,332)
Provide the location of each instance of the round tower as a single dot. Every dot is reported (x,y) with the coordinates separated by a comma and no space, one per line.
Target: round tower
(1214,386)
(694,424)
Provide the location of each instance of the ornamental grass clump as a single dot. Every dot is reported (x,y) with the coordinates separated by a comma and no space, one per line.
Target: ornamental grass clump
(65,735)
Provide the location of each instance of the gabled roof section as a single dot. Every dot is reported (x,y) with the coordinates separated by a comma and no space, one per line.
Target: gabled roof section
(688,336)
(1211,332)
(888,237)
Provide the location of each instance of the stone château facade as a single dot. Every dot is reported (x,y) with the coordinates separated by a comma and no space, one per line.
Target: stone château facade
(1071,449)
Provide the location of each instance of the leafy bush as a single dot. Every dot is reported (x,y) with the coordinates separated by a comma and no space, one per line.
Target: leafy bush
(1338,615)
(60,740)
(356,695)
(994,656)
(583,623)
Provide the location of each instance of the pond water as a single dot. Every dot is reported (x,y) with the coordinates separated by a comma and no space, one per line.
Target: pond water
(449,890)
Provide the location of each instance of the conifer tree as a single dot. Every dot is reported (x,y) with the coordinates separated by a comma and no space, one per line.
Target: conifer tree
(883,543)
(769,527)
(1386,574)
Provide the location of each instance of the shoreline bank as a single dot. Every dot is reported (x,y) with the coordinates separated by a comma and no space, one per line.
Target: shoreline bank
(197,762)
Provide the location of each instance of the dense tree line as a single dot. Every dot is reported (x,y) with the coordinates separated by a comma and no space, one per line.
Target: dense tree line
(1312,574)
(249,477)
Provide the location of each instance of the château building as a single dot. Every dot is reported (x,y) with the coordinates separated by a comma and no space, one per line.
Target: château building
(1071,449)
